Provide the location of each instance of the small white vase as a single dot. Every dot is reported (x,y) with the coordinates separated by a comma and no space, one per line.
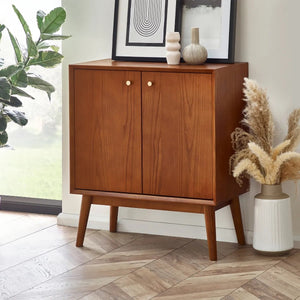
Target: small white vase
(273,233)
(194,53)
(173,47)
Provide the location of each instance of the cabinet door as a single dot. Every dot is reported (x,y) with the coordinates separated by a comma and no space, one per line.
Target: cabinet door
(177,113)
(107,130)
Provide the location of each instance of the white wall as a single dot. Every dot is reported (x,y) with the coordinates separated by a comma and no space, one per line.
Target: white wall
(267,38)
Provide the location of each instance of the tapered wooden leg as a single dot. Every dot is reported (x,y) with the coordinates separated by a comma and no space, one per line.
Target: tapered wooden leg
(209,213)
(83,219)
(113,218)
(237,220)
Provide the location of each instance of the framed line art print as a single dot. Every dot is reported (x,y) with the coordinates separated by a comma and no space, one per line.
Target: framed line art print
(216,21)
(140,28)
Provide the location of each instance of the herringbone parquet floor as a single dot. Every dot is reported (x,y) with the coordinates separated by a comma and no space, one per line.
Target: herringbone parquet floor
(39,260)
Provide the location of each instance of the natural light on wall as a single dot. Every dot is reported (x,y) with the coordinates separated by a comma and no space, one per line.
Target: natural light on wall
(32,166)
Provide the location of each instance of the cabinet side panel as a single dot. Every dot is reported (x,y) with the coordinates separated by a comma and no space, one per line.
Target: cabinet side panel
(229,105)
(177,134)
(107,134)
(71,125)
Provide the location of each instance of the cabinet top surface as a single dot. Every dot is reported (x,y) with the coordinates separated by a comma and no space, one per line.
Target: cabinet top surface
(150,66)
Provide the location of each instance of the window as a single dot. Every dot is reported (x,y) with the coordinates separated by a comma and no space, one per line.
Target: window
(32,167)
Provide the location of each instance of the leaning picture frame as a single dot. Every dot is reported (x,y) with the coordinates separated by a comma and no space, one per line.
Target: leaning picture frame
(216,20)
(140,28)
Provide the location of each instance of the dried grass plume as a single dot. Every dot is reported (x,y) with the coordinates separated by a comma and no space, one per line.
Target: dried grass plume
(253,145)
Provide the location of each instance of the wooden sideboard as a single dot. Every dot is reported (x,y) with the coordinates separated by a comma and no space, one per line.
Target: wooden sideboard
(150,135)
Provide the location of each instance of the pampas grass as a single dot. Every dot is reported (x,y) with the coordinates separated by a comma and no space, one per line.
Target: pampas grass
(254,152)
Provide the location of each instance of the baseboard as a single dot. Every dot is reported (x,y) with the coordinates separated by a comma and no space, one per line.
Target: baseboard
(158,228)
(72,220)
(178,230)
(297,241)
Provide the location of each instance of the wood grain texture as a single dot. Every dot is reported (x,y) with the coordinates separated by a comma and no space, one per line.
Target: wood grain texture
(105,269)
(113,218)
(86,203)
(262,291)
(237,220)
(240,294)
(144,203)
(121,266)
(108,64)
(107,131)
(292,263)
(158,146)
(177,135)
(222,278)
(35,244)
(228,107)
(19,224)
(210,224)
(41,268)
(282,281)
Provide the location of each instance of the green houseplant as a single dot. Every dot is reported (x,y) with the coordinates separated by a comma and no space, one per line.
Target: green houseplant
(16,77)
(270,165)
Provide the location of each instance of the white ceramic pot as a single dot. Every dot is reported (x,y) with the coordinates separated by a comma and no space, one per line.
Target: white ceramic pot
(273,233)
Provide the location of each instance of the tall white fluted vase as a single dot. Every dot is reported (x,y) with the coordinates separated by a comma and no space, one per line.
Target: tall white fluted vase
(273,232)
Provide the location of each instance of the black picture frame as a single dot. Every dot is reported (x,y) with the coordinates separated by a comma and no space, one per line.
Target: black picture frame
(225,52)
(135,47)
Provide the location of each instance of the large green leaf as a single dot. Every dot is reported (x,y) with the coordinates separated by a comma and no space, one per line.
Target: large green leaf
(10,71)
(5,88)
(16,47)
(1,29)
(13,101)
(47,36)
(20,79)
(44,45)
(17,91)
(53,20)
(54,48)
(47,59)
(41,84)
(31,46)
(3,138)
(22,20)
(17,116)
(3,123)
(1,62)
(40,15)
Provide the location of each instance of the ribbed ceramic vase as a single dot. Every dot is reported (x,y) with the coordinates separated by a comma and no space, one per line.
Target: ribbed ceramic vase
(194,53)
(273,233)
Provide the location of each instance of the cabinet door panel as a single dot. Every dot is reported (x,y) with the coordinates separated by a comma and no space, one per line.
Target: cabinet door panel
(177,113)
(107,134)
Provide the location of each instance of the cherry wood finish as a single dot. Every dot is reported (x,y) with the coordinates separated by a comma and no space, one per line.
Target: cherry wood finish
(237,220)
(177,144)
(83,219)
(150,135)
(227,113)
(113,221)
(210,223)
(107,125)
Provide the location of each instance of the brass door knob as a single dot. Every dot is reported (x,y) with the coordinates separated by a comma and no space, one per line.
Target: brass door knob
(149,83)
(128,82)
